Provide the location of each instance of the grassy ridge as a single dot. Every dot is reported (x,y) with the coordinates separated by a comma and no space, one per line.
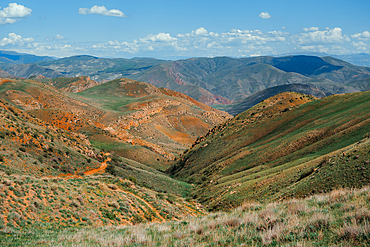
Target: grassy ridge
(274,151)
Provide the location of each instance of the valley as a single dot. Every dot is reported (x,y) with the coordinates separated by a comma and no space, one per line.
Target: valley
(262,151)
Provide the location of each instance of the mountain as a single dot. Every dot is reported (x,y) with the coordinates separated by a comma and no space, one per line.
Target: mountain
(361,59)
(134,119)
(27,70)
(250,101)
(99,69)
(4,74)
(219,80)
(20,58)
(235,79)
(281,148)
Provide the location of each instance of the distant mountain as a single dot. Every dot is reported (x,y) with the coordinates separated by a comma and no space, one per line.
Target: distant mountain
(254,99)
(32,69)
(20,58)
(219,80)
(4,74)
(360,59)
(99,69)
(235,79)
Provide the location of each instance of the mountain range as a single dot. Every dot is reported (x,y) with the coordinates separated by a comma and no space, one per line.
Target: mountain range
(220,80)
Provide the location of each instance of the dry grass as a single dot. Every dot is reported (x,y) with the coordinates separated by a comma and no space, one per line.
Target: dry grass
(304,222)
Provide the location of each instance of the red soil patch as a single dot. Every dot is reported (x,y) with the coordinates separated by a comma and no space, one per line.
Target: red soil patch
(175,135)
(194,125)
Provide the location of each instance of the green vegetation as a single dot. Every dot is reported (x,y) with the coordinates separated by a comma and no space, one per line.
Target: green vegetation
(28,202)
(340,218)
(277,151)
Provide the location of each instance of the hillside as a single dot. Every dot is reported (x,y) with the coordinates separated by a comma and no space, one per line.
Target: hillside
(281,148)
(74,84)
(134,119)
(339,218)
(254,99)
(48,179)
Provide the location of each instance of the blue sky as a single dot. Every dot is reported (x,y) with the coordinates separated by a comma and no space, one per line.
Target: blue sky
(180,29)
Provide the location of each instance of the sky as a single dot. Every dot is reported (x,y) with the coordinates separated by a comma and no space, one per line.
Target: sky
(176,29)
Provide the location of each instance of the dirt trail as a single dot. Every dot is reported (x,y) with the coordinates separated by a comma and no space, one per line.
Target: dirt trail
(147,203)
(88,173)
(101,168)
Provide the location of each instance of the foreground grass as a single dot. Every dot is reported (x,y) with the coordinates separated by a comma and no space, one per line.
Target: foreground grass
(339,218)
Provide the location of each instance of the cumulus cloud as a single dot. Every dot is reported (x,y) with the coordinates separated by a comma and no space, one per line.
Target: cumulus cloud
(162,37)
(13,13)
(201,31)
(265,15)
(201,42)
(14,39)
(311,29)
(361,46)
(328,36)
(362,36)
(101,10)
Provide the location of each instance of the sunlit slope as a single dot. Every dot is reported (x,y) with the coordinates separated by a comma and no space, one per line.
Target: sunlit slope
(165,121)
(276,150)
(134,119)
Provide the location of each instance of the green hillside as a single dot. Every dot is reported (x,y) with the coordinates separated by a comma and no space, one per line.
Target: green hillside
(276,150)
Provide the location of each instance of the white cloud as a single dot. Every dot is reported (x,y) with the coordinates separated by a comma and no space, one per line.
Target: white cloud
(14,39)
(329,36)
(362,36)
(311,29)
(101,10)
(265,15)
(201,42)
(201,31)
(163,37)
(362,46)
(57,37)
(13,13)
(4,21)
